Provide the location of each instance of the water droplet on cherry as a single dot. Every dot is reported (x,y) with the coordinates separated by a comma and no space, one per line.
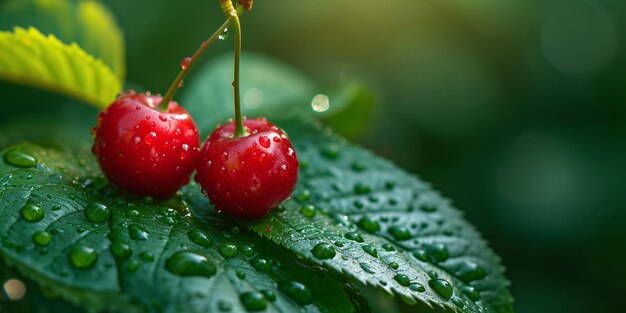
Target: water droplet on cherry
(264,141)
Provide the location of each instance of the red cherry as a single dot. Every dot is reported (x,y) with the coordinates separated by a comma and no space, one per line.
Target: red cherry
(247,176)
(143,150)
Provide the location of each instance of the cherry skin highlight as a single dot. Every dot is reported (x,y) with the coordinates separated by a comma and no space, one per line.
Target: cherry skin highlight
(143,150)
(248,176)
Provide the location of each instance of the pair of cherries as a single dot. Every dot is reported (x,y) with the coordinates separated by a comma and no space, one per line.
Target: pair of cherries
(148,151)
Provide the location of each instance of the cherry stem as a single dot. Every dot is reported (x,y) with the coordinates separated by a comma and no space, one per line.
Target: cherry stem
(185,69)
(233,17)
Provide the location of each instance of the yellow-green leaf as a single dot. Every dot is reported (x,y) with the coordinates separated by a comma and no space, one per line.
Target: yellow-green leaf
(86,22)
(29,57)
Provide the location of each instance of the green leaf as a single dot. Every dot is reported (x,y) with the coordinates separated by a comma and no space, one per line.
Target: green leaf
(28,57)
(65,228)
(84,22)
(407,232)
(382,224)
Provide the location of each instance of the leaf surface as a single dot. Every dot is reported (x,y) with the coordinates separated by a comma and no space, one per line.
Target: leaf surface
(143,254)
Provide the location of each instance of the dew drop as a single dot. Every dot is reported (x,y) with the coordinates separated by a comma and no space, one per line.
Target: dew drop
(470,271)
(246,250)
(361,189)
(224,156)
(83,257)
(331,151)
(137,233)
(267,229)
(305,195)
(417,287)
(42,238)
(458,302)
(394,265)
(186,263)
(97,212)
(241,274)
(367,268)
(428,208)
(470,292)
(253,301)
(399,232)
(223,35)
(180,84)
(264,141)
(368,224)
(185,62)
(228,250)
(297,291)
(421,255)
(283,170)
(354,236)
(32,213)
(269,295)
(358,167)
(20,159)
(432,274)
(132,266)
(224,306)
(276,139)
(163,118)
(437,252)
(388,247)
(150,138)
(261,264)
(200,237)
(370,250)
(121,250)
(184,152)
(441,287)
(146,256)
(308,210)
(402,279)
(323,251)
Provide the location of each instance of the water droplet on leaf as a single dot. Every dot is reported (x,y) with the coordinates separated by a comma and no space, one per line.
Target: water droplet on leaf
(32,212)
(121,250)
(228,250)
(42,238)
(97,212)
(83,257)
(354,236)
(20,159)
(308,210)
(137,233)
(323,251)
(297,292)
(399,232)
(200,237)
(253,301)
(368,224)
(186,263)
(402,279)
(370,250)
(441,287)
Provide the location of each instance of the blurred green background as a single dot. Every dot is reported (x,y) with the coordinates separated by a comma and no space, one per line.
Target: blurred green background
(516,109)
